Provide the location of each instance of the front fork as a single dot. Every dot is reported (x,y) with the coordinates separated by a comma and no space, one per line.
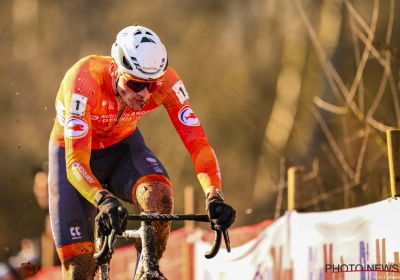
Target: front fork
(104,261)
(147,266)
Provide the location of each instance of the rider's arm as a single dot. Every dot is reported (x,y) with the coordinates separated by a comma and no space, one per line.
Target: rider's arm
(77,138)
(188,126)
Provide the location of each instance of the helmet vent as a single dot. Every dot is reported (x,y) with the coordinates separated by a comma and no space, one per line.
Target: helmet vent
(135,62)
(162,63)
(147,40)
(166,65)
(123,60)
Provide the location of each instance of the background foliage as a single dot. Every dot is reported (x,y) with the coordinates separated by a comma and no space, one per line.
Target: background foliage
(275,83)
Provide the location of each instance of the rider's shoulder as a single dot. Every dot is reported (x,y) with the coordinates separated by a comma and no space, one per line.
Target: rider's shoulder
(171,72)
(171,77)
(92,60)
(87,73)
(94,64)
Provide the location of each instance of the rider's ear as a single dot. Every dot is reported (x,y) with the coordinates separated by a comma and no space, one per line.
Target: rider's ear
(113,69)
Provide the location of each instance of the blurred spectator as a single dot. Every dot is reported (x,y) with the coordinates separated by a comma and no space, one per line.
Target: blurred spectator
(35,252)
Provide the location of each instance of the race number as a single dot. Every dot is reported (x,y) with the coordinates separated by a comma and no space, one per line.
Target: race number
(180,91)
(78,105)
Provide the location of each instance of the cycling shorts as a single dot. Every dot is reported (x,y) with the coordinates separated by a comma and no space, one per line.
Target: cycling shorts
(117,168)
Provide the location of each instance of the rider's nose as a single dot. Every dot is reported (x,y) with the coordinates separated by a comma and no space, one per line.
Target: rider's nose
(144,92)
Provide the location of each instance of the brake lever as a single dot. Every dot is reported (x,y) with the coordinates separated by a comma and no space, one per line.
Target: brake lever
(227,241)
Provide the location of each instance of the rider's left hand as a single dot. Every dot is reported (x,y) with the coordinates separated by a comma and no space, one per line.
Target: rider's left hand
(220,214)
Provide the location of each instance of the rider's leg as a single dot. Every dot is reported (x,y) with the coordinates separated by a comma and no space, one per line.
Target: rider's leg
(72,220)
(80,267)
(156,196)
(140,178)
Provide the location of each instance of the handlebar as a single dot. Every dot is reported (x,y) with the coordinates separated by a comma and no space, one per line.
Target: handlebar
(187,217)
(108,240)
(168,217)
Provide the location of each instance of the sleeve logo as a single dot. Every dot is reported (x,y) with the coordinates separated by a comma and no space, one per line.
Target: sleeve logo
(188,117)
(75,128)
(180,91)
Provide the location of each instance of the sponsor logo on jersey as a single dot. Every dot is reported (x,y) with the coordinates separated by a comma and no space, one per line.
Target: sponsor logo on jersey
(80,172)
(75,128)
(113,117)
(188,117)
(75,233)
(136,113)
(150,159)
(103,105)
(158,169)
(104,118)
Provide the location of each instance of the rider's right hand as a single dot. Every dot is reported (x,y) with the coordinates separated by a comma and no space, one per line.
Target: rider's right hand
(112,215)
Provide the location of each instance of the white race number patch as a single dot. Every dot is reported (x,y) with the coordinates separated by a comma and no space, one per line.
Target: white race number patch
(78,104)
(188,117)
(180,91)
(75,128)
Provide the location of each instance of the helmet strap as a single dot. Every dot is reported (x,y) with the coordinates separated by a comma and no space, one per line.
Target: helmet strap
(116,85)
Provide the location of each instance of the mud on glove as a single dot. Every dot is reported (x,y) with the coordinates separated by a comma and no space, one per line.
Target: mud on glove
(220,214)
(111,215)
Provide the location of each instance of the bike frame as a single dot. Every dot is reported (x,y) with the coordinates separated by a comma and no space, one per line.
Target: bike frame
(147,261)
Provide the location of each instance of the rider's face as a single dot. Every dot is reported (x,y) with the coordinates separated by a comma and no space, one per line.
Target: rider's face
(135,100)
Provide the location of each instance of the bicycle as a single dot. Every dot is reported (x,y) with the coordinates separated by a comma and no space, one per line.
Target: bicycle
(147,262)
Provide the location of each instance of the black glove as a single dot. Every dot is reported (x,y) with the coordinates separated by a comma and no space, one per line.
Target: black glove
(112,215)
(221,214)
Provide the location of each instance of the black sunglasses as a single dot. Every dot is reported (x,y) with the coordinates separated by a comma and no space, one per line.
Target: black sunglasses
(137,86)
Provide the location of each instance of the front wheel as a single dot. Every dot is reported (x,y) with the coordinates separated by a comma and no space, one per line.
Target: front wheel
(153,275)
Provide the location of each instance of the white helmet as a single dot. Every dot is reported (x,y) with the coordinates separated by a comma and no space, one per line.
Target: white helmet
(138,51)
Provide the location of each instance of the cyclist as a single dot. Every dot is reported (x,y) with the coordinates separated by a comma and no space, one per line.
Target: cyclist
(97,154)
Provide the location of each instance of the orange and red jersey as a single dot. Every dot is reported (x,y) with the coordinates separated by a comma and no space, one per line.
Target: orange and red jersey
(87,112)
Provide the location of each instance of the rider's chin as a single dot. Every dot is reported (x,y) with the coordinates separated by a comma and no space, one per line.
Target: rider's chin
(141,105)
(137,106)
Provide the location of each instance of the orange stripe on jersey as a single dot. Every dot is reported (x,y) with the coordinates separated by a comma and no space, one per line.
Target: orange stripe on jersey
(206,163)
(149,178)
(75,249)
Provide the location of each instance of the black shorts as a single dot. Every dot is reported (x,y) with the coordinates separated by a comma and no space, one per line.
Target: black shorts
(117,168)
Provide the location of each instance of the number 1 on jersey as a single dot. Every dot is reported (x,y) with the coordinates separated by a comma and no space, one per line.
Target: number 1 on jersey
(180,91)
(78,104)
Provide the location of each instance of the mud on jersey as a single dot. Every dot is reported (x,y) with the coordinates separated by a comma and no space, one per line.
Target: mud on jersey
(86,120)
